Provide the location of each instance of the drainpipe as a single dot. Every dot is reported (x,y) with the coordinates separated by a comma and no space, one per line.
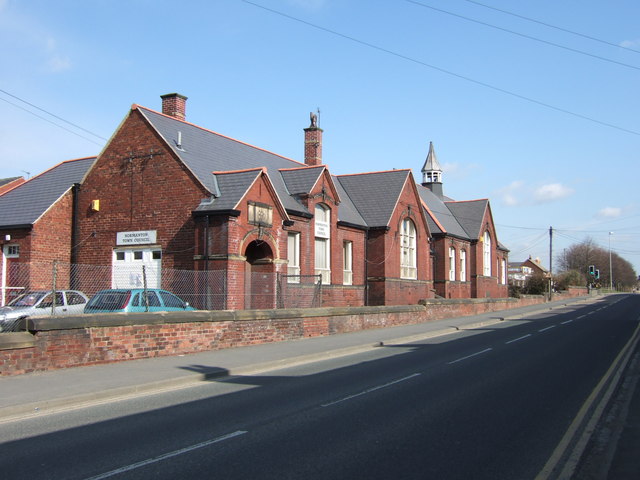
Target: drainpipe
(206,261)
(366,270)
(75,190)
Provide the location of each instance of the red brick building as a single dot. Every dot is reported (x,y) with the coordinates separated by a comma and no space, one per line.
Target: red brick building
(468,260)
(36,227)
(258,230)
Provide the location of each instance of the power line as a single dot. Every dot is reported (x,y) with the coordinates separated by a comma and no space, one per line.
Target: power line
(589,37)
(51,114)
(512,32)
(51,122)
(442,70)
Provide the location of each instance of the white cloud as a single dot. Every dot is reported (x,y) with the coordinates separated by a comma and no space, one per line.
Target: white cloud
(58,64)
(630,43)
(551,192)
(457,171)
(609,212)
(509,194)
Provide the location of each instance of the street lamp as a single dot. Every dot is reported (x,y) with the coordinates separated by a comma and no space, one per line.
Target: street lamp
(610,270)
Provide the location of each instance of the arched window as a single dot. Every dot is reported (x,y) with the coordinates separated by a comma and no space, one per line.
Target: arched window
(408,261)
(463,266)
(323,242)
(452,264)
(486,254)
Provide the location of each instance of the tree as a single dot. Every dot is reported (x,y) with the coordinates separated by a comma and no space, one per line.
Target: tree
(536,284)
(579,256)
(569,278)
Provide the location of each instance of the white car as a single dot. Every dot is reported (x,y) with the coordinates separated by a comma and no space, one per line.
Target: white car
(67,302)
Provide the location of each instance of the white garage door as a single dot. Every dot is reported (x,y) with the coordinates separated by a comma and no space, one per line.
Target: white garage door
(131,267)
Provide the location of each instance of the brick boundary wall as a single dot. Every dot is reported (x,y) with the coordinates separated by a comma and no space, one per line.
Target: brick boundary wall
(63,342)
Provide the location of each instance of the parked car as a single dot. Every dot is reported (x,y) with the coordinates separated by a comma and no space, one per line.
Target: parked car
(135,300)
(67,302)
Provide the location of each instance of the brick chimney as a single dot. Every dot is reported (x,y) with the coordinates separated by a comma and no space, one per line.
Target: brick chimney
(174,105)
(313,142)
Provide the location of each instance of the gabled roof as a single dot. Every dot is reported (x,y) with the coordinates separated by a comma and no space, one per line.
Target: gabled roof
(233,187)
(347,211)
(470,215)
(444,217)
(25,204)
(203,151)
(375,195)
(301,180)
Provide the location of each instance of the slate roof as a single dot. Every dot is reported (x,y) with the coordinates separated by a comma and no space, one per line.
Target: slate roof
(301,180)
(204,152)
(25,204)
(366,199)
(470,215)
(232,186)
(374,195)
(347,211)
(446,218)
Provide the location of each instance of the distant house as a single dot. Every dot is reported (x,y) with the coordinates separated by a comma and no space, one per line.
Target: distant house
(7,184)
(519,272)
(36,226)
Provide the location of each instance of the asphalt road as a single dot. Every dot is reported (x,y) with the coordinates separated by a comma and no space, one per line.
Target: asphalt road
(489,404)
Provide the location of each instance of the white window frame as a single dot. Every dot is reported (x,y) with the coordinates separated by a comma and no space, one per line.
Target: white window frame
(486,254)
(504,272)
(293,255)
(12,251)
(463,265)
(322,255)
(408,263)
(347,255)
(323,259)
(452,264)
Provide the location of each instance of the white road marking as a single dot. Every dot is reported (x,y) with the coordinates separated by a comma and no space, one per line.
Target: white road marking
(581,316)
(545,329)
(469,356)
(175,453)
(565,322)
(517,339)
(369,390)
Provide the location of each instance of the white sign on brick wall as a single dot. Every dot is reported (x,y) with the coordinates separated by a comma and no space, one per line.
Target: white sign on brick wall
(142,237)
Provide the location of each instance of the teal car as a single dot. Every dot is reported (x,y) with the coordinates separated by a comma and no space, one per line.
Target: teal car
(135,300)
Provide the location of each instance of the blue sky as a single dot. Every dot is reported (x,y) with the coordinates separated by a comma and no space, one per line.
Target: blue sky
(541,121)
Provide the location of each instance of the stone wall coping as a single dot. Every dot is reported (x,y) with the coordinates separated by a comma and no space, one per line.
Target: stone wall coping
(70,322)
(16,340)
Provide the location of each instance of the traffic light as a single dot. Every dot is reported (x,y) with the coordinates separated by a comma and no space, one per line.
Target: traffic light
(592,270)
(597,274)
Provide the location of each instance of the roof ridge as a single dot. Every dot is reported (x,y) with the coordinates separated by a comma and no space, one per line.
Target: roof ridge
(374,173)
(243,170)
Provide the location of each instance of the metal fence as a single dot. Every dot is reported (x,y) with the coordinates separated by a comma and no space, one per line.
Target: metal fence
(204,290)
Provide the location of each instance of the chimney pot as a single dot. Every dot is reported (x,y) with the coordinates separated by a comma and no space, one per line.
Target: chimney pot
(174,105)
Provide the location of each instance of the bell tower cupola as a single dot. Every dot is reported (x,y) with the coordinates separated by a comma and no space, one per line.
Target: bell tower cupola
(432,172)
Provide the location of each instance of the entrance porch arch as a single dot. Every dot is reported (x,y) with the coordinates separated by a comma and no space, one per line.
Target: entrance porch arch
(260,282)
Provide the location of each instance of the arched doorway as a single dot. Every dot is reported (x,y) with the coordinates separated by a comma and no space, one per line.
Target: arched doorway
(260,283)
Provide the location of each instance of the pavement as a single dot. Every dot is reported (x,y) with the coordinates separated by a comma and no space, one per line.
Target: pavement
(34,394)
